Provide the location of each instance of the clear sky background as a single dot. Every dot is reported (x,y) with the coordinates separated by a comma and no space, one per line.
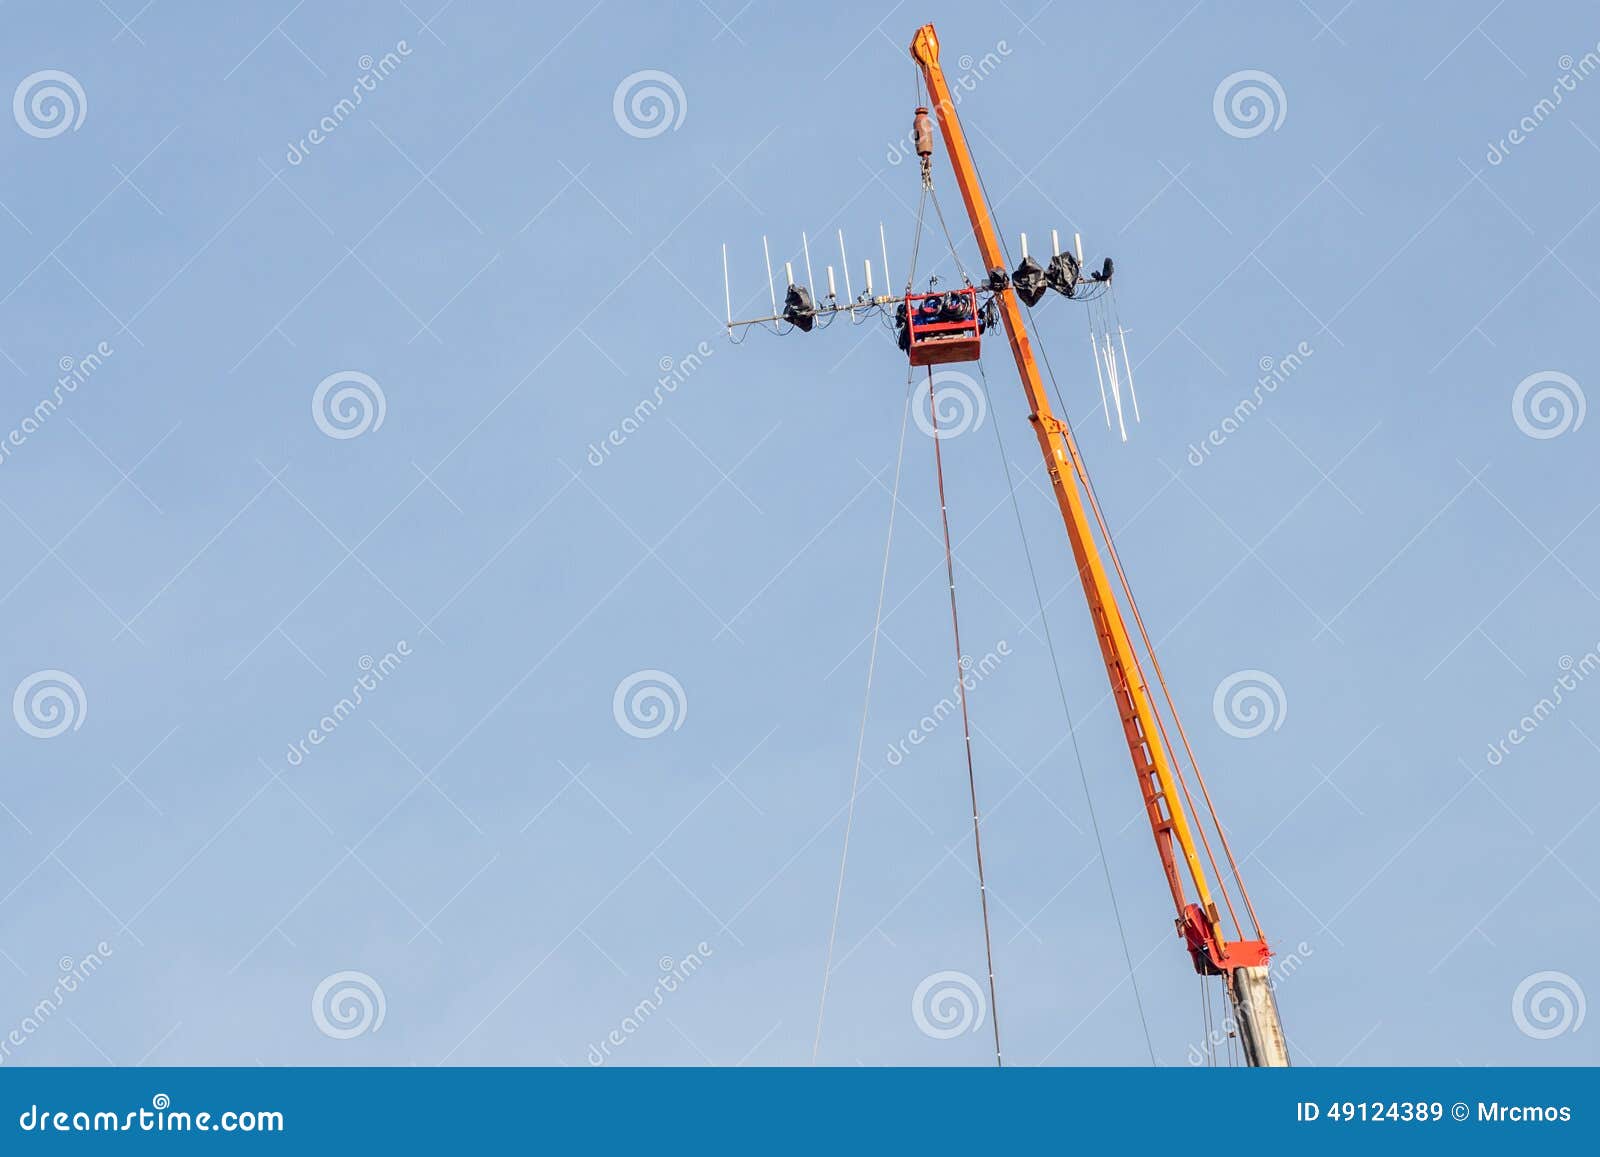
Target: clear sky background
(484,239)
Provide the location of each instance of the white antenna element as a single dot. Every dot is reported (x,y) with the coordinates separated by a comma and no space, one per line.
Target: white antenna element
(868,265)
(1078,242)
(831,291)
(727,294)
(1094,348)
(810,280)
(771,293)
(1055,244)
(1124,338)
(1116,386)
(788,271)
(887,280)
(1024,246)
(844,264)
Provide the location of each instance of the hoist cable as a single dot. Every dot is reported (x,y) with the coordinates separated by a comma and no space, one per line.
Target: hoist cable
(916,240)
(949,240)
(1133,605)
(1072,731)
(928,191)
(1161,679)
(1127,589)
(966,726)
(1161,726)
(1166,691)
(861,738)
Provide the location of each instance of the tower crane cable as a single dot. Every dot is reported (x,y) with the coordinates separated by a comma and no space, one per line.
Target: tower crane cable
(1183,784)
(1081,471)
(1166,691)
(1072,731)
(916,238)
(861,738)
(1111,549)
(951,241)
(966,726)
(930,192)
(1155,663)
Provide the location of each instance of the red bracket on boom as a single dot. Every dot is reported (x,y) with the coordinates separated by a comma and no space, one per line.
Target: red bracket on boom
(1212,955)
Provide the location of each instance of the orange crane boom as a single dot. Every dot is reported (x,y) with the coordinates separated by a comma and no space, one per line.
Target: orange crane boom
(1241,962)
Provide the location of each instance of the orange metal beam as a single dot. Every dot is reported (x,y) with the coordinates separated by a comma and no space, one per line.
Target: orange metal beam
(1151,760)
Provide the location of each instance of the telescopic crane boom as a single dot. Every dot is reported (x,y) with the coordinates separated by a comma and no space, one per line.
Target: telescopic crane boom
(1241,962)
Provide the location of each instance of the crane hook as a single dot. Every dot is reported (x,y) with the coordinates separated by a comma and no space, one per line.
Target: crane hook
(922,137)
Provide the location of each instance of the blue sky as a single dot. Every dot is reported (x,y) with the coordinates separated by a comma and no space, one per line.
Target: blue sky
(1399,536)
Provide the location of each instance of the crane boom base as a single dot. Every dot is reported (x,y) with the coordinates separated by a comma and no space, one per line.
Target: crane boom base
(1255,1010)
